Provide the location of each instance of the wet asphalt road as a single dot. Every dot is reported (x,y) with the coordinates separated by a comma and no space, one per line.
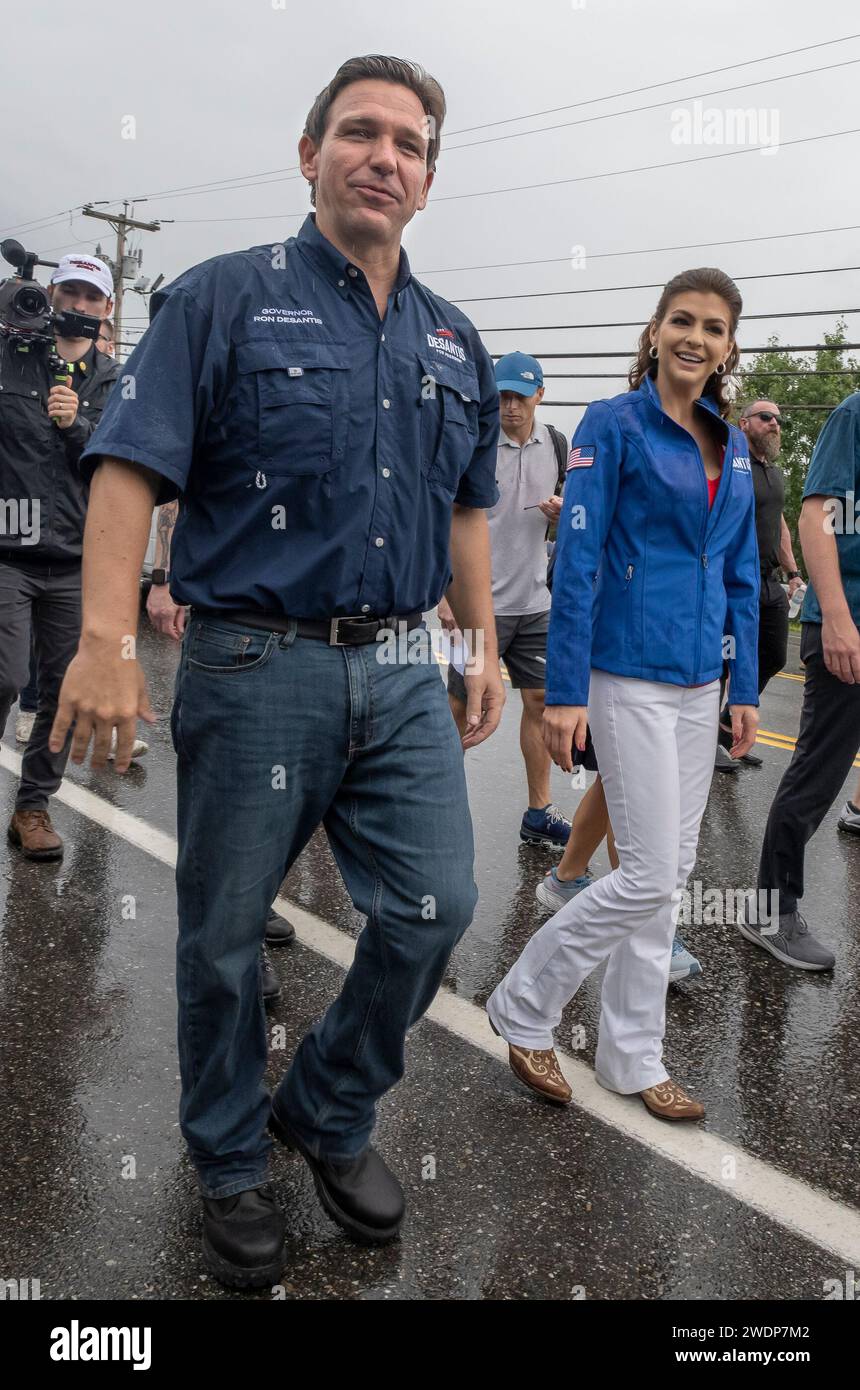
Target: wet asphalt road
(507,1198)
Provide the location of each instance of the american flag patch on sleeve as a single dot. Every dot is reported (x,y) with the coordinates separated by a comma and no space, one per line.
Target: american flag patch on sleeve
(581,457)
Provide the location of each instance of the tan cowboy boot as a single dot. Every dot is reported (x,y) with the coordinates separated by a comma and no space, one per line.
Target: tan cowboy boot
(539,1070)
(670,1102)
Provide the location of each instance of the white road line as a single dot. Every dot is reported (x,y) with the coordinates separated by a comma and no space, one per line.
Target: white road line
(803,1210)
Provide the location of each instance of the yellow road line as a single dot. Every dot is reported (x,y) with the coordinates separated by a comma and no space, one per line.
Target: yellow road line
(771,737)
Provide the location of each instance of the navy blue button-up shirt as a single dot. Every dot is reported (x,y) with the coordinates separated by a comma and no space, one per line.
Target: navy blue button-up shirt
(318,449)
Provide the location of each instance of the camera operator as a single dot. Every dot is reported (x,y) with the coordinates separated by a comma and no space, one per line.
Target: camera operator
(48,411)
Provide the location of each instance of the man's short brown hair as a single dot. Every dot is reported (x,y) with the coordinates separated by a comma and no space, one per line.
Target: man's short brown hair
(375,67)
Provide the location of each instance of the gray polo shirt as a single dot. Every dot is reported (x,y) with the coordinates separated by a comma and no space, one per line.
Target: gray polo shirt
(525,474)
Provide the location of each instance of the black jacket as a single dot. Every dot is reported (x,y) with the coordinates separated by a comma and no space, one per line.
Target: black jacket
(39,461)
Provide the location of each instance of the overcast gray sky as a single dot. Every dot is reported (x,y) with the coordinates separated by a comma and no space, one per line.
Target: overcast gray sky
(219,89)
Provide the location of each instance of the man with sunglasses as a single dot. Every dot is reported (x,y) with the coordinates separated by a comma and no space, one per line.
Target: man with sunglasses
(761,422)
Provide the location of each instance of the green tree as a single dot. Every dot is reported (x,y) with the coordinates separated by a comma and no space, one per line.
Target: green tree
(802,427)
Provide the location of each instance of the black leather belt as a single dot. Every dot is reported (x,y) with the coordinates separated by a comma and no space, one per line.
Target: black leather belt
(352,631)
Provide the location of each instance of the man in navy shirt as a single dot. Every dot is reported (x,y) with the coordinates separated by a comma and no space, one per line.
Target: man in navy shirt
(829,735)
(332,426)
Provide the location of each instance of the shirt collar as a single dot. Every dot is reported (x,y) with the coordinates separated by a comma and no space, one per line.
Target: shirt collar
(537,436)
(336,267)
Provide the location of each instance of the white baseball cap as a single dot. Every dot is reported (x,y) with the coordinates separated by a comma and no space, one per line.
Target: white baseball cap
(87,268)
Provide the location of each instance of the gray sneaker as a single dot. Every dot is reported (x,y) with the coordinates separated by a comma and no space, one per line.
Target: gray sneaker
(790,942)
(555,893)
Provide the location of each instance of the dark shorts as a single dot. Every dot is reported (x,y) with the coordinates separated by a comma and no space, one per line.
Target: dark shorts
(522,647)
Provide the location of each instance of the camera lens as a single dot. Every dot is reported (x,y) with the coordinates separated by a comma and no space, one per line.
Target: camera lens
(29,303)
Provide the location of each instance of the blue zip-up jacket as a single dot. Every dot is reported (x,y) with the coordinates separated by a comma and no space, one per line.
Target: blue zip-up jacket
(648,582)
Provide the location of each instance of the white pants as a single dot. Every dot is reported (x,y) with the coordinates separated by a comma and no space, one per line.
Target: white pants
(655,746)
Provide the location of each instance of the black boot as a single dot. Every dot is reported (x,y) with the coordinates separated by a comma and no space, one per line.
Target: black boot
(243,1238)
(362,1196)
(279,932)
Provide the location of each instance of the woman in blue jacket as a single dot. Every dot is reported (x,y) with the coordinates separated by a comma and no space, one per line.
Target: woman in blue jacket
(656,583)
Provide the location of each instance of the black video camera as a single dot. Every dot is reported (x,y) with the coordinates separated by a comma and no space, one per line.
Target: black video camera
(26,315)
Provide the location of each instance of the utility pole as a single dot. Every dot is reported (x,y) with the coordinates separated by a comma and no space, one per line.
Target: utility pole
(120,223)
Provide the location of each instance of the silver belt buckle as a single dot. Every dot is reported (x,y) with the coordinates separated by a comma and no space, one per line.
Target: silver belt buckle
(333,639)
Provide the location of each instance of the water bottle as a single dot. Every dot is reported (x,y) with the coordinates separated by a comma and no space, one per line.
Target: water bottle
(796,601)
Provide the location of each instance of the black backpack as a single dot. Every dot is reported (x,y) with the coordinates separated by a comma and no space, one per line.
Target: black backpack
(559,443)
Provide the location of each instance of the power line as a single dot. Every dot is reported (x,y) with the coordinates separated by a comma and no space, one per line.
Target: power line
(657,285)
(533,115)
(652,106)
(289,174)
(637,323)
(744,352)
(217,184)
(52,219)
(552,183)
(757,371)
(601,255)
(642,251)
(557,405)
(651,86)
(642,168)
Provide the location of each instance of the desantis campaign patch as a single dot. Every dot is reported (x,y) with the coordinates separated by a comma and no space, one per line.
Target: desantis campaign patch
(581,457)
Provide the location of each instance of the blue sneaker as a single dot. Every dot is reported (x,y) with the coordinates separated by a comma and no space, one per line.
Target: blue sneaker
(684,964)
(546,827)
(552,893)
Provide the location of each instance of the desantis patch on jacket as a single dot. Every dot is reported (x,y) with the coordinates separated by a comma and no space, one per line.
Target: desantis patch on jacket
(582,456)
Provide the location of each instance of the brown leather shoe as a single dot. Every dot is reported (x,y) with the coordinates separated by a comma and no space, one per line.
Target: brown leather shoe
(669,1102)
(32,832)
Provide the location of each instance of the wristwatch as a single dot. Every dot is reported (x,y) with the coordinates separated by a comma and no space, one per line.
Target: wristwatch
(160,576)
(792,574)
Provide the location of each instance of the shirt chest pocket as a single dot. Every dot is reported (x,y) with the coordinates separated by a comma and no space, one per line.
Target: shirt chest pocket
(300,396)
(449,421)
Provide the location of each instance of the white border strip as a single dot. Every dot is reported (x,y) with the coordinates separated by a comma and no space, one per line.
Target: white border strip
(803,1210)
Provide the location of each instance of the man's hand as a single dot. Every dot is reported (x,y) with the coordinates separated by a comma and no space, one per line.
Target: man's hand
(564,725)
(485,700)
(63,405)
(165,615)
(551,508)
(793,586)
(744,729)
(102,691)
(446,617)
(841,643)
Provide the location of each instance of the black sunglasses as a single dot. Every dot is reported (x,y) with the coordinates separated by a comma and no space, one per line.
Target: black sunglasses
(766,415)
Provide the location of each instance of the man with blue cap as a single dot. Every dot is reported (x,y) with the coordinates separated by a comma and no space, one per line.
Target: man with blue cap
(530,472)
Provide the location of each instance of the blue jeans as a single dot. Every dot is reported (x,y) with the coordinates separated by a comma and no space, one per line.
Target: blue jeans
(274,735)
